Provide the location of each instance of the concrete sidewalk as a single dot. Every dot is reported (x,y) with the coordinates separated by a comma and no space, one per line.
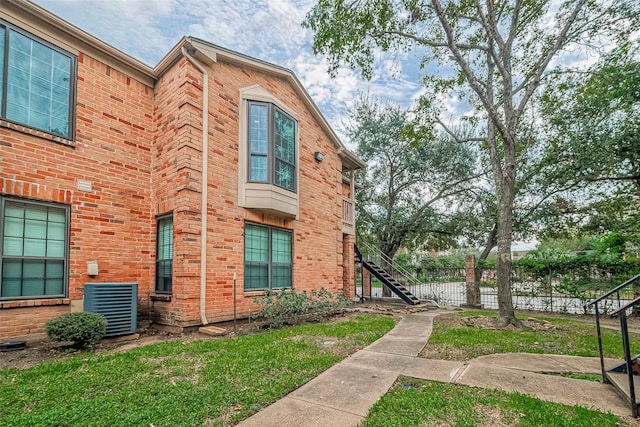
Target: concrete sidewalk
(343,394)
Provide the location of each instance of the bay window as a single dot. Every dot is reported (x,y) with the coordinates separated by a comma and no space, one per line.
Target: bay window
(272,146)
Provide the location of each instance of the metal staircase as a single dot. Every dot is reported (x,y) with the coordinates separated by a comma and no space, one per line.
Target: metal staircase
(389,276)
(625,377)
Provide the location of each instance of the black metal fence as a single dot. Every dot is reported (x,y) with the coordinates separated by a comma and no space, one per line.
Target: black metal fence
(553,291)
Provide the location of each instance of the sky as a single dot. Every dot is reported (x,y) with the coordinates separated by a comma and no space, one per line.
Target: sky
(269,30)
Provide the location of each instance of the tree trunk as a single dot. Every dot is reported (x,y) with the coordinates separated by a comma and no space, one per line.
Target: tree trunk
(478,269)
(505,199)
(503,163)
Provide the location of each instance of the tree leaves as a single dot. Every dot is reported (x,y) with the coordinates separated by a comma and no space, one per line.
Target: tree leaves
(411,187)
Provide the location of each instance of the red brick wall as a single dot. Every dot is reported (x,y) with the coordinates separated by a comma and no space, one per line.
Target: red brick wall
(349,267)
(141,150)
(177,185)
(318,246)
(317,234)
(109,224)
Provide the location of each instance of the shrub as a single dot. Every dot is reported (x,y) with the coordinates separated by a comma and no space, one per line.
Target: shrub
(84,329)
(286,306)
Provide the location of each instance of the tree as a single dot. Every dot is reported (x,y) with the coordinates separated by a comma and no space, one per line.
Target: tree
(592,122)
(500,51)
(408,192)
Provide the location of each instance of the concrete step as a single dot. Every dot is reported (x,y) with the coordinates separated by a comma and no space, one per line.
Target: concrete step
(212,330)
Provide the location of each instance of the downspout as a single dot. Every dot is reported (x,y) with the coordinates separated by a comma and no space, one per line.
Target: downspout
(205,182)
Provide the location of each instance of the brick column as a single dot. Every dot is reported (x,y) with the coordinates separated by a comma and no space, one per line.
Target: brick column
(366,284)
(348,265)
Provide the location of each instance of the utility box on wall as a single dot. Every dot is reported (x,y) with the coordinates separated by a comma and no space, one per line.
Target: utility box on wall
(118,302)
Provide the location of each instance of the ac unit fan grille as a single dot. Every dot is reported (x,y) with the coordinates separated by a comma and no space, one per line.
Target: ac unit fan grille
(118,302)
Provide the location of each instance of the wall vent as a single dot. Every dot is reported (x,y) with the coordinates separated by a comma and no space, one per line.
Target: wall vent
(118,302)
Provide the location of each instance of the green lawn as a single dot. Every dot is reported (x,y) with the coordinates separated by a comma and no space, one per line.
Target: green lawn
(413,402)
(453,339)
(458,336)
(178,383)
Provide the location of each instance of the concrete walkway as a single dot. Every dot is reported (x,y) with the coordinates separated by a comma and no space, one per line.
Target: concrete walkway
(343,394)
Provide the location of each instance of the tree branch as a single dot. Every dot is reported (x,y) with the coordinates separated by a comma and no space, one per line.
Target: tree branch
(455,136)
(614,178)
(546,59)
(466,69)
(428,42)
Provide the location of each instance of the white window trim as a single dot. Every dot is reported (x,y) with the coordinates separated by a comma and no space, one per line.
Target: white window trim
(266,197)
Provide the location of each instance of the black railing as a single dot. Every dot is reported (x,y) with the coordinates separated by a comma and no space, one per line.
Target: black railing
(621,312)
(626,346)
(596,308)
(371,253)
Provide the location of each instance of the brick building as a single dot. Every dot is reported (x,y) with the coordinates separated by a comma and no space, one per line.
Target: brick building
(208,167)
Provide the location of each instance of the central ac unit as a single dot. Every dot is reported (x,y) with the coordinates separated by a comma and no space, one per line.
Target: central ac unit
(118,302)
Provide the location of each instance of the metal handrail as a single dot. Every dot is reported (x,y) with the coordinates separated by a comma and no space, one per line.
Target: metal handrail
(621,311)
(615,313)
(381,256)
(613,291)
(626,346)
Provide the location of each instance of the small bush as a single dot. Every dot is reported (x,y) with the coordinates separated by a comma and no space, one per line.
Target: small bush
(286,306)
(84,329)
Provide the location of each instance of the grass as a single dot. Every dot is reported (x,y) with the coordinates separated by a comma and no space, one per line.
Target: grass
(578,376)
(178,383)
(414,402)
(453,339)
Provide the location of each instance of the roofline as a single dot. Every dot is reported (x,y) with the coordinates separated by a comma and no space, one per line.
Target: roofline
(82,36)
(212,54)
(349,159)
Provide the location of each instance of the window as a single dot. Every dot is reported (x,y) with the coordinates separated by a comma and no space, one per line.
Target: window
(34,249)
(268,165)
(272,146)
(36,82)
(164,254)
(267,257)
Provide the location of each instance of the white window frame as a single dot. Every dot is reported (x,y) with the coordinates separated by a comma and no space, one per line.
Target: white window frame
(264,196)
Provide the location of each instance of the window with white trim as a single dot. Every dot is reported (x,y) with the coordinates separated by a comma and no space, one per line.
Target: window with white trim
(34,249)
(37,82)
(272,146)
(267,257)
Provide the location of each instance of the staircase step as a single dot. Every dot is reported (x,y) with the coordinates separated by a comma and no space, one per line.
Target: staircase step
(394,285)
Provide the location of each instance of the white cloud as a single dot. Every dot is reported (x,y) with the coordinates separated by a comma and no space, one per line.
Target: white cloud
(130,25)
(269,30)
